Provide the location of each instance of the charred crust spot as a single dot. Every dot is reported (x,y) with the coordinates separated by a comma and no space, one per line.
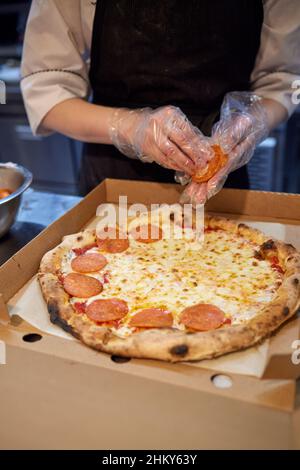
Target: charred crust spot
(79,238)
(179,350)
(53,310)
(268,245)
(172,216)
(296,281)
(242,226)
(285,311)
(258,255)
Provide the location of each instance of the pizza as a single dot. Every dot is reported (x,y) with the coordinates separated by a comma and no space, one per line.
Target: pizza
(139,293)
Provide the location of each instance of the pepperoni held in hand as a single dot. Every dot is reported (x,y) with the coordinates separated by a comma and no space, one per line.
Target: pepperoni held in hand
(112,240)
(152,318)
(105,310)
(214,165)
(88,263)
(202,317)
(79,285)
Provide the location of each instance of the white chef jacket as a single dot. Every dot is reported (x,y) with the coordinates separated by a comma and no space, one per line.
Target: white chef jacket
(56,56)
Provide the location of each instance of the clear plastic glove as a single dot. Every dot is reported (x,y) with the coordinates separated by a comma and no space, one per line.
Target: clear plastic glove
(163,135)
(243,125)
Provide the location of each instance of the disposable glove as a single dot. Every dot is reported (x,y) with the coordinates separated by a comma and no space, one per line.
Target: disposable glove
(243,125)
(162,135)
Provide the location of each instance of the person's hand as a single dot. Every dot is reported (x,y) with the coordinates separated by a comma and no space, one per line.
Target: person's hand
(163,135)
(243,125)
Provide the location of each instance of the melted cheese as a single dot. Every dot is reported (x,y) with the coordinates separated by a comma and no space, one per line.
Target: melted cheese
(174,274)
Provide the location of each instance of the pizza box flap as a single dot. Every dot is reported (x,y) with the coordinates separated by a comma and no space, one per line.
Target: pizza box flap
(272,394)
(237,203)
(54,384)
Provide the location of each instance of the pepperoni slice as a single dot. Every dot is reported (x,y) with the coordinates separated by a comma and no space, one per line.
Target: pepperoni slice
(88,263)
(79,285)
(152,318)
(202,317)
(112,240)
(105,310)
(213,166)
(147,233)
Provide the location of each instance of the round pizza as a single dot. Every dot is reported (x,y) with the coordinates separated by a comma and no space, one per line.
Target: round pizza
(142,292)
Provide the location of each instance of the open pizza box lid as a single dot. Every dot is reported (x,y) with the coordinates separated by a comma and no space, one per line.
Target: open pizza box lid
(283,209)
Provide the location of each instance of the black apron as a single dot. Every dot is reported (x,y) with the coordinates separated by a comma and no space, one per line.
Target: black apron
(159,52)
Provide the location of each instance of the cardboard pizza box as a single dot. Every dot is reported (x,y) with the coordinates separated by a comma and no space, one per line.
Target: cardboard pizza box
(70,396)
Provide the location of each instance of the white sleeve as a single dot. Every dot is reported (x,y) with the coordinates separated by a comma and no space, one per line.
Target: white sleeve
(53,66)
(278,61)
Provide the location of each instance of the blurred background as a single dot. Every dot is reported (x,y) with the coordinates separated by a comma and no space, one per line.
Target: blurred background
(55,160)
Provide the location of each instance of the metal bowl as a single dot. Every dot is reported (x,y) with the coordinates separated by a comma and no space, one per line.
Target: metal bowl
(17,179)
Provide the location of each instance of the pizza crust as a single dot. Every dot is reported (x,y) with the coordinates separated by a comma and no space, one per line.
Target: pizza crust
(169,344)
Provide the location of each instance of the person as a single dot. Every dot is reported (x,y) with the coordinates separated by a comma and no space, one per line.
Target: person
(167,78)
